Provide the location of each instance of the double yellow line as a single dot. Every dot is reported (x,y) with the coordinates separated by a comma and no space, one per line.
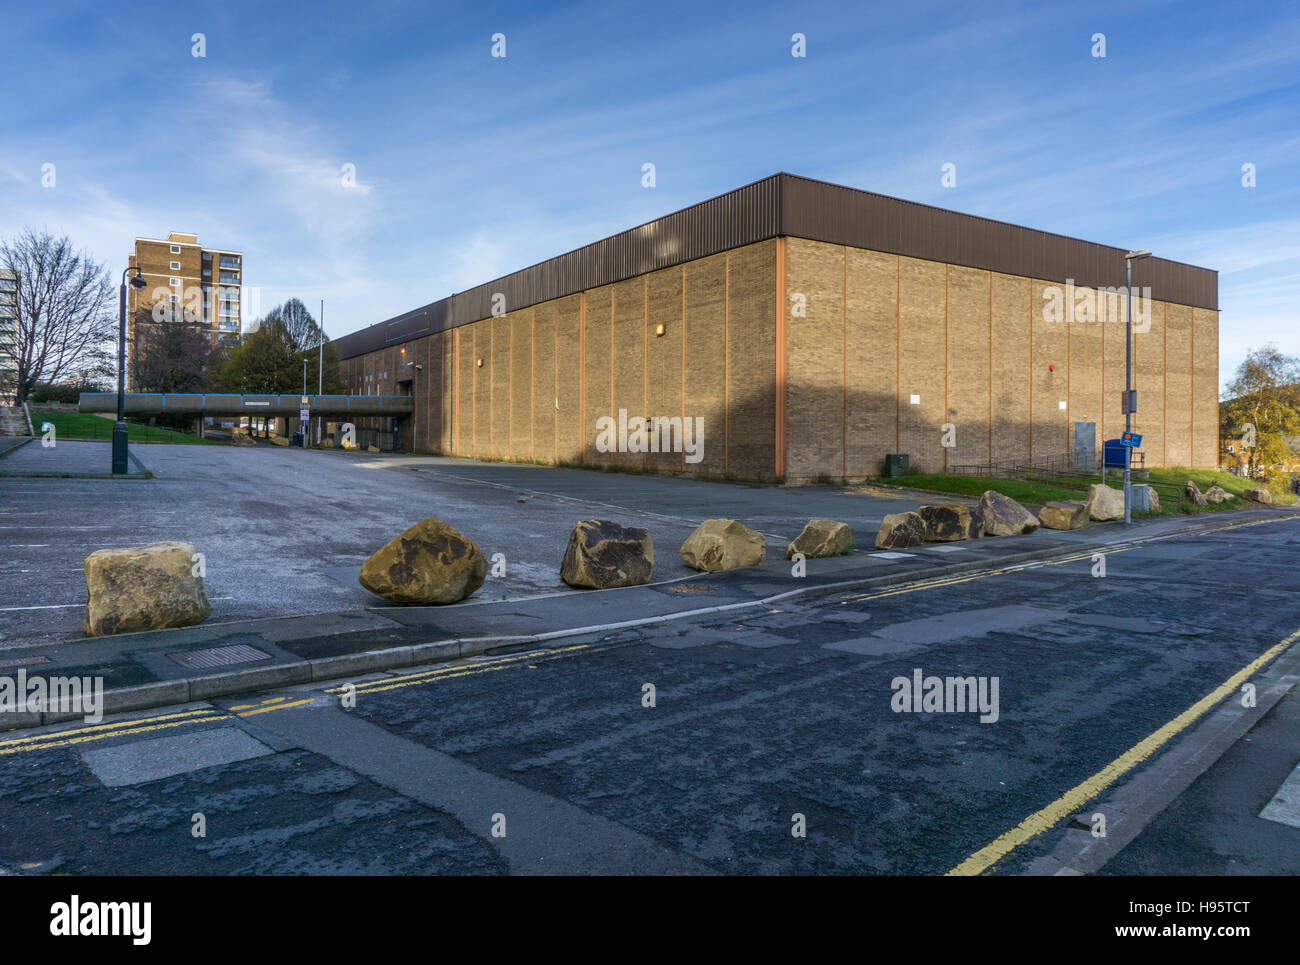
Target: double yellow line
(146,725)
(463,670)
(82,735)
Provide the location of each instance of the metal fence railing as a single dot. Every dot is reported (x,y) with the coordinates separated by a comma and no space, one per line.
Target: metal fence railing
(139,433)
(1067,471)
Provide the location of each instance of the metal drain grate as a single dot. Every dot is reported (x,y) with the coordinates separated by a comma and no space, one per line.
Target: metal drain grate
(218,657)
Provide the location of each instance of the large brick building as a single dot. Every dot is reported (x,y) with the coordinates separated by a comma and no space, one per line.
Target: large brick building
(809,330)
(200,285)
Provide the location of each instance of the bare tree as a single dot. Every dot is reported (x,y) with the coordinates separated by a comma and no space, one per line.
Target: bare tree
(66,321)
(301,329)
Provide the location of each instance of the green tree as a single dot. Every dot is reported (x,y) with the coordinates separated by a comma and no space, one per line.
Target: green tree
(269,360)
(262,364)
(1262,408)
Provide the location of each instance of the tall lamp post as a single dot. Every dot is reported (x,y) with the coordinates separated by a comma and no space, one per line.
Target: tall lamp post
(1129,258)
(320,367)
(119,427)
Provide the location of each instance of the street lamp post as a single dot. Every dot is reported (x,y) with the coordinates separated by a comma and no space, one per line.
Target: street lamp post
(320,366)
(119,428)
(1129,258)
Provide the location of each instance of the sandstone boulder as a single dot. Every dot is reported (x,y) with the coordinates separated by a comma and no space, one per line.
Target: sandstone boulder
(723,544)
(1217,494)
(1258,495)
(1153,500)
(429,563)
(1104,504)
(1002,516)
(279,440)
(143,588)
(945,522)
(1192,492)
(900,530)
(372,448)
(1064,514)
(603,554)
(238,438)
(821,537)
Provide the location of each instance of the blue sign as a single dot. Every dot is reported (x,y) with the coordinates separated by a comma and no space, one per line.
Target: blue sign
(1130,439)
(1115,454)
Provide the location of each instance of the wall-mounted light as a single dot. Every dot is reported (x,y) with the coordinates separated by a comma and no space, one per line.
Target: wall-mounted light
(659,329)
(479,362)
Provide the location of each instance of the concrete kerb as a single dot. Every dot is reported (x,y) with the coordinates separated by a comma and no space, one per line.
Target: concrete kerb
(142,471)
(1134,804)
(12,444)
(143,696)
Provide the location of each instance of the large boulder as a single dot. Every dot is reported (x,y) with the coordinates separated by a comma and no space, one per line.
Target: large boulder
(723,544)
(144,588)
(1217,494)
(821,537)
(239,438)
(946,522)
(1192,492)
(900,530)
(1064,514)
(1104,504)
(1003,516)
(1258,495)
(603,554)
(1153,500)
(429,563)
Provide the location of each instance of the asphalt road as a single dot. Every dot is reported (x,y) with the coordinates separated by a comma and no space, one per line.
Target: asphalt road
(553,762)
(285,531)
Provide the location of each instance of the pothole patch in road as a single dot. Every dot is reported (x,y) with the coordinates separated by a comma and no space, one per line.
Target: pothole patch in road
(138,762)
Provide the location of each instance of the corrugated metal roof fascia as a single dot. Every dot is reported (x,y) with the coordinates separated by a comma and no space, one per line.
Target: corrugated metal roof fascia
(835,214)
(794,206)
(739,217)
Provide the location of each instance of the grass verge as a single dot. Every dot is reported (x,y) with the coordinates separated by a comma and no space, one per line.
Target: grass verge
(85,425)
(1039,492)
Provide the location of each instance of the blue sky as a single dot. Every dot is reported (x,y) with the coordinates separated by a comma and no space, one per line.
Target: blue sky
(469,166)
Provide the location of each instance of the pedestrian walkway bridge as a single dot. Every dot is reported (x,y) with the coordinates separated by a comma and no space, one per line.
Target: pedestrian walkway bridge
(205,404)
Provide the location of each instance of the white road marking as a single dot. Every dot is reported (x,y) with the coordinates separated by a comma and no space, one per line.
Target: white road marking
(66,606)
(1284,808)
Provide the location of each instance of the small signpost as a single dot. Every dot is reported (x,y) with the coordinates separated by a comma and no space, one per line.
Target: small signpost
(1130,439)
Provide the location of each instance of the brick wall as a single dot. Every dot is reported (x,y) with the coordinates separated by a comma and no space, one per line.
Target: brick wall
(971,345)
(975,350)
